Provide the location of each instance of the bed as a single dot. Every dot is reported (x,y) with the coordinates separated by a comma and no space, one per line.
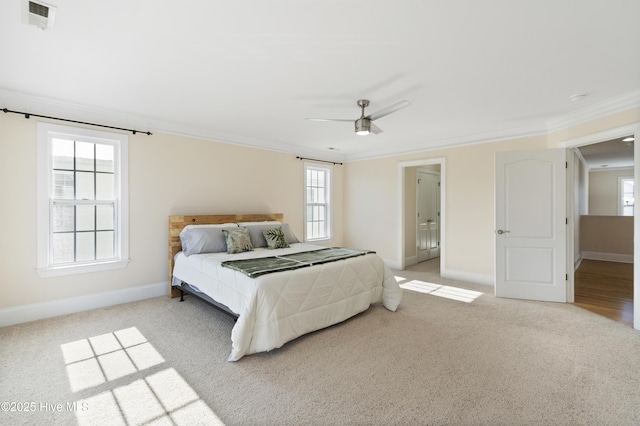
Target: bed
(272,308)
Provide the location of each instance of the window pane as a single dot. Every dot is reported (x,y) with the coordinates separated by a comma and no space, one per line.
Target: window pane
(320,198)
(84,156)
(628,199)
(84,246)
(104,158)
(85,186)
(85,218)
(104,246)
(104,217)
(63,218)
(63,185)
(104,186)
(62,247)
(62,152)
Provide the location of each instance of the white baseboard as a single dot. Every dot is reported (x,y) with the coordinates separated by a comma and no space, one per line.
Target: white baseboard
(608,257)
(36,311)
(393,264)
(471,277)
(410,261)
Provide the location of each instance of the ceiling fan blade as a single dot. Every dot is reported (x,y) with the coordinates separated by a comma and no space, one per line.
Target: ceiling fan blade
(329,119)
(388,110)
(375,129)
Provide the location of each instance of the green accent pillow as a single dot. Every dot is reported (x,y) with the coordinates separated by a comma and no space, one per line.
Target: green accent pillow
(237,240)
(275,238)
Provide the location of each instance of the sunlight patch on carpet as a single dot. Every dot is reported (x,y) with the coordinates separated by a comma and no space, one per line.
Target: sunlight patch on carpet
(440,290)
(163,397)
(107,357)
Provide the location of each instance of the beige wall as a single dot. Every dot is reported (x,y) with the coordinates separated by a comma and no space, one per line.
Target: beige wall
(167,175)
(371,220)
(179,175)
(604,192)
(371,187)
(607,234)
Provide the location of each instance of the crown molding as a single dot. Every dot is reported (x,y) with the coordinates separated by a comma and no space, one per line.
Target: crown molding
(602,109)
(36,104)
(52,107)
(457,142)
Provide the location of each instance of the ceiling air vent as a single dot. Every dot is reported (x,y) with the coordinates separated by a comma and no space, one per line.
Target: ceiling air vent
(38,13)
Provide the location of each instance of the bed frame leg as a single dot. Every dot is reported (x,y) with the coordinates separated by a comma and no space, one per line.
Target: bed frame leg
(181,296)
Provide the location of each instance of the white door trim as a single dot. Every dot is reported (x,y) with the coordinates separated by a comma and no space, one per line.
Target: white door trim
(632,129)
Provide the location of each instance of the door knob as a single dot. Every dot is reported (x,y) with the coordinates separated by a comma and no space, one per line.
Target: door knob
(500,232)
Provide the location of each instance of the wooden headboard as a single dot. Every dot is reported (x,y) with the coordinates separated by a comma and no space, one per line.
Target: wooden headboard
(177,223)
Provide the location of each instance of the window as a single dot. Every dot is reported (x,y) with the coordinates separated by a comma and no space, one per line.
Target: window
(626,196)
(82,200)
(317,202)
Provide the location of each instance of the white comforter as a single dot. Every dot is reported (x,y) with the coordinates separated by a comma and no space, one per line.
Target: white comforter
(276,308)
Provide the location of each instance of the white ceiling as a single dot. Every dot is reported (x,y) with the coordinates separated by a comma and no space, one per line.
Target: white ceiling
(250,71)
(615,153)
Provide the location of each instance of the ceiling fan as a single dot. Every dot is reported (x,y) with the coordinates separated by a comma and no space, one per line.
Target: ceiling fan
(364,125)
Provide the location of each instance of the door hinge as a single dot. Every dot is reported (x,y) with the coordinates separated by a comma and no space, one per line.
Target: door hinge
(566,277)
(438,184)
(566,220)
(566,164)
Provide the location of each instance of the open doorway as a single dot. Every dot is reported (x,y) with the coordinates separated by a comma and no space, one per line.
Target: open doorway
(428,213)
(579,208)
(422,235)
(603,281)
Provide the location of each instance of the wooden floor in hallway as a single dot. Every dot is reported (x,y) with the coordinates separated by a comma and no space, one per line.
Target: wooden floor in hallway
(605,288)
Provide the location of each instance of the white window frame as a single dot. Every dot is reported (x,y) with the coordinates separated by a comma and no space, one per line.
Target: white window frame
(621,181)
(328,229)
(45,133)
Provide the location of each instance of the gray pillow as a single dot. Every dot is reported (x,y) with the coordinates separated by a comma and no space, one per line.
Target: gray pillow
(275,238)
(289,236)
(238,240)
(205,239)
(257,237)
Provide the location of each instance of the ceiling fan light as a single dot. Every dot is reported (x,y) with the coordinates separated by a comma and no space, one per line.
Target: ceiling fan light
(363,127)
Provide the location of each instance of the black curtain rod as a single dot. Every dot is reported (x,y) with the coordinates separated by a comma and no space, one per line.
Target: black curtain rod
(321,161)
(28,115)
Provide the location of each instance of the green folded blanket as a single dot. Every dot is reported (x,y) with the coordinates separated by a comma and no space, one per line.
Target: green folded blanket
(265,265)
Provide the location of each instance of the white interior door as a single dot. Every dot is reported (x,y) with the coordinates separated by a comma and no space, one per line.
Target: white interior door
(530,196)
(428,220)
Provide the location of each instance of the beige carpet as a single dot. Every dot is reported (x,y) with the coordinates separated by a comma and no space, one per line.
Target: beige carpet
(446,357)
